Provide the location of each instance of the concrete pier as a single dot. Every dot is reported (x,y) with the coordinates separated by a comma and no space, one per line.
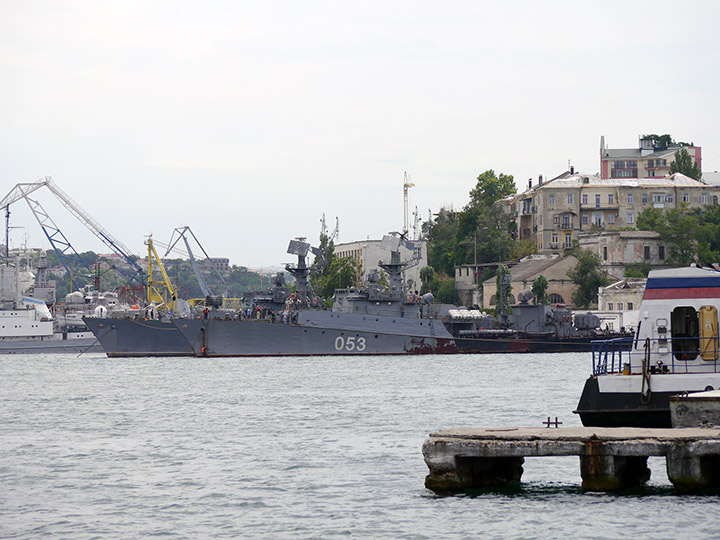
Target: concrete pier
(611,459)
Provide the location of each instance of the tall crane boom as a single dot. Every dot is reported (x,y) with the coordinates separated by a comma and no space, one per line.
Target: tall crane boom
(23,190)
(181,232)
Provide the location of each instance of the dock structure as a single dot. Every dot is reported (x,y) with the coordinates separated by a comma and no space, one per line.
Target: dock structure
(611,459)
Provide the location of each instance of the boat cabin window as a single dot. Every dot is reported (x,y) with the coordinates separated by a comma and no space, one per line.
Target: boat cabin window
(684,328)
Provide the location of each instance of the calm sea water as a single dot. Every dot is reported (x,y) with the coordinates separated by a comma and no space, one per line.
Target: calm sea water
(297,448)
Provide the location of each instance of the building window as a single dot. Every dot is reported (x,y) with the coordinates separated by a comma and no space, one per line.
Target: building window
(686,197)
(556,219)
(610,306)
(658,198)
(618,164)
(703,198)
(554,239)
(661,253)
(570,198)
(568,241)
(630,219)
(644,198)
(566,221)
(585,219)
(556,299)
(670,198)
(551,199)
(651,164)
(597,201)
(630,306)
(604,253)
(611,218)
(630,198)
(661,162)
(620,306)
(584,198)
(646,253)
(611,198)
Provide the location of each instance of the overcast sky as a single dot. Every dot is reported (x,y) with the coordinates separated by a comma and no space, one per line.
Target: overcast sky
(249,120)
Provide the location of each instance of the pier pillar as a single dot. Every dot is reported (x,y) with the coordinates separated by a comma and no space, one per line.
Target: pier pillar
(689,471)
(602,470)
(475,472)
(613,473)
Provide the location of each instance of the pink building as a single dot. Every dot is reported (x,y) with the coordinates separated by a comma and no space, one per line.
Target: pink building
(651,159)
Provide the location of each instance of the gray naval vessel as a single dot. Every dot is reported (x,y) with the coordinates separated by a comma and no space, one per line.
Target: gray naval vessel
(375,319)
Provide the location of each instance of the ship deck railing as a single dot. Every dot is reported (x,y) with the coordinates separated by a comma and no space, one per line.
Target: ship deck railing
(619,355)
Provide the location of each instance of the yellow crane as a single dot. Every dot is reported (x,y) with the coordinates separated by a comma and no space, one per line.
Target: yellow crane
(160,292)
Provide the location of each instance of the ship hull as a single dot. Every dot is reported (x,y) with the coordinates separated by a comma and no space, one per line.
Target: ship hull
(619,401)
(221,338)
(137,337)
(54,344)
(513,344)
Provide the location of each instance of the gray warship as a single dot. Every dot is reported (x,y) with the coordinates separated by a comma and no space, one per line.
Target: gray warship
(374,319)
(377,318)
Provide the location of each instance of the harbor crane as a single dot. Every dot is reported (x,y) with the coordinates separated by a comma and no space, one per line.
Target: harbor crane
(182,234)
(67,254)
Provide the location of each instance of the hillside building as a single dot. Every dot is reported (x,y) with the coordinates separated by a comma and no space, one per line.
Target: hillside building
(368,253)
(650,159)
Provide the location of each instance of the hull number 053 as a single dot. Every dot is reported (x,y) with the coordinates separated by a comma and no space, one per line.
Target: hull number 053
(350,343)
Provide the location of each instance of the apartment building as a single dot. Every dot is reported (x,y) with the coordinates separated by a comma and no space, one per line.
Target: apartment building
(651,159)
(552,214)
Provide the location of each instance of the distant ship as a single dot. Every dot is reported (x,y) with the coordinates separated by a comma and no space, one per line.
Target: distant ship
(26,324)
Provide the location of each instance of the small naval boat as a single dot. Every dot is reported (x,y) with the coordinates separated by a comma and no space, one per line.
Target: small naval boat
(674,351)
(26,324)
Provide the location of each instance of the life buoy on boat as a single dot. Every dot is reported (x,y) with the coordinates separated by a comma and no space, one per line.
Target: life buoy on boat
(292,296)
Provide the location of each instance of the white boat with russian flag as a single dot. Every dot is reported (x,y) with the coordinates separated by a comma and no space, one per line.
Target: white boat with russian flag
(675,350)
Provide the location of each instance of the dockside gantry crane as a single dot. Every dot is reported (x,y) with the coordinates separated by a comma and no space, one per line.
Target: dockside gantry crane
(67,254)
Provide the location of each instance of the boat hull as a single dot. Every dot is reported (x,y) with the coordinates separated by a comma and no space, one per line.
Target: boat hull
(524,345)
(55,344)
(618,400)
(221,338)
(137,337)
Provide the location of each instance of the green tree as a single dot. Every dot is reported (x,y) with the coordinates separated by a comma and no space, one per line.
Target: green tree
(589,277)
(708,237)
(684,164)
(427,274)
(446,291)
(637,270)
(503,288)
(539,290)
(490,188)
(340,274)
(441,237)
(650,219)
(679,232)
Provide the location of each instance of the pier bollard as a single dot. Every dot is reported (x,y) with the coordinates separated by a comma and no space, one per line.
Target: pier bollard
(688,471)
(601,470)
